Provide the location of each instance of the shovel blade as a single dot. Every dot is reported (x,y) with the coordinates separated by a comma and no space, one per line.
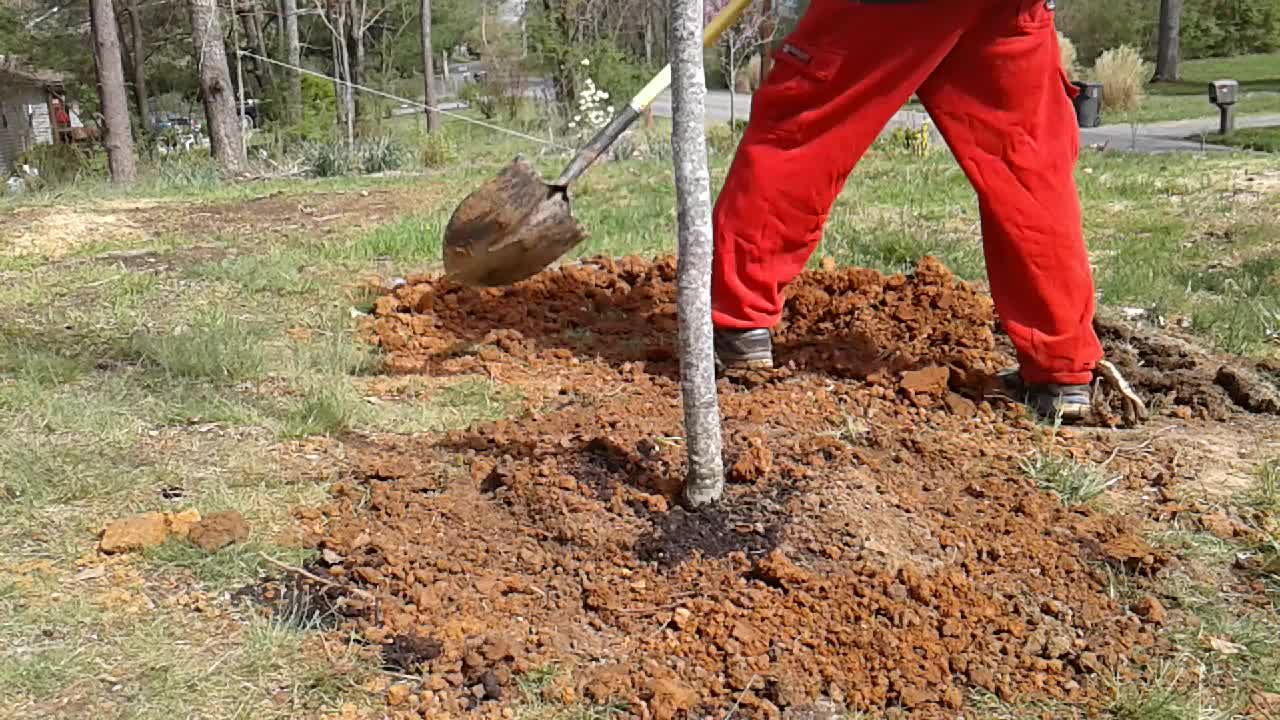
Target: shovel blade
(509,229)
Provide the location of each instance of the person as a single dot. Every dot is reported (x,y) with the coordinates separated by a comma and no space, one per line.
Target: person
(990,75)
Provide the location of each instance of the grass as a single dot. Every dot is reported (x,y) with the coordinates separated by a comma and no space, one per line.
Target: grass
(219,379)
(1264,139)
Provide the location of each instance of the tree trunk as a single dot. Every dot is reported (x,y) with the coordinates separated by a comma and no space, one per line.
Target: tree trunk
(117,137)
(429,70)
(1169,53)
(260,40)
(355,53)
(293,47)
(216,89)
(767,26)
(705,480)
(138,46)
(239,12)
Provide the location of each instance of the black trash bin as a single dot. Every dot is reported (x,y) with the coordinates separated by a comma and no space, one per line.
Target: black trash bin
(1088,104)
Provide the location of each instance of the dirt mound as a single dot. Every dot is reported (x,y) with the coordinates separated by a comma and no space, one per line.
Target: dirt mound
(879,545)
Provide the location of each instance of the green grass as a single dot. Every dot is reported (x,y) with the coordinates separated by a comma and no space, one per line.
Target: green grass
(1265,139)
(1255,73)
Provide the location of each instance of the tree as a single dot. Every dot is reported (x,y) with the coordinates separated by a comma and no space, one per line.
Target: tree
(739,41)
(705,480)
(223,121)
(118,137)
(137,64)
(293,54)
(1169,52)
(428,70)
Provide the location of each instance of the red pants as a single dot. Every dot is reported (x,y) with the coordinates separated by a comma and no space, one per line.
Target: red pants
(989,73)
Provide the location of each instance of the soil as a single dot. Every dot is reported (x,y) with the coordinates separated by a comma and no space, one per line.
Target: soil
(879,546)
(219,530)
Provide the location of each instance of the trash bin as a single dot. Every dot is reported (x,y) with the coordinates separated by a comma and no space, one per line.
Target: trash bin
(1088,104)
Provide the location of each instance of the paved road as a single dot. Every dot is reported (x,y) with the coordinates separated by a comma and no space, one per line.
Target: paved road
(1150,138)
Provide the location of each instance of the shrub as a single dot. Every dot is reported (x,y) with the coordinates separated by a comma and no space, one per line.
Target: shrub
(1123,75)
(62,164)
(366,155)
(1067,54)
(437,150)
(1220,28)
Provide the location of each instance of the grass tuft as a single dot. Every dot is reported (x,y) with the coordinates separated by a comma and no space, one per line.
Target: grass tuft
(218,346)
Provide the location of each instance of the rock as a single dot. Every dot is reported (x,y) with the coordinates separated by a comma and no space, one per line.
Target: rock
(219,530)
(960,405)
(931,380)
(1219,525)
(398,694)
(1150,609)
(669,698)
(180,524)
(1057,646)
(134,533)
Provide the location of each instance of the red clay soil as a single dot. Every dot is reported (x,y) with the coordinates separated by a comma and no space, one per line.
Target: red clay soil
(879,546)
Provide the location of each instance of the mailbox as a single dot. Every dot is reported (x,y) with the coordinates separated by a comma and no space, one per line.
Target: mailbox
(1224,92)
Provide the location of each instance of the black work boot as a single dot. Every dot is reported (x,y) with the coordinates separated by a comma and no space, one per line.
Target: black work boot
(1067,403)
(743,349)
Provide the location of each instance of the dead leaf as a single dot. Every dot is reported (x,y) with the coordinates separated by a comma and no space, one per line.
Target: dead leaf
(1226,647)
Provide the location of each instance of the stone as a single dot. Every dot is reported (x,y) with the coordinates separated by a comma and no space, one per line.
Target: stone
(219,530)
(398,694)
(931,380)
(1150,609)
(134,533)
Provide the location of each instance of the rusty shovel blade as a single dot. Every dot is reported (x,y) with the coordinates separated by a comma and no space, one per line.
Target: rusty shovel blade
(509,229)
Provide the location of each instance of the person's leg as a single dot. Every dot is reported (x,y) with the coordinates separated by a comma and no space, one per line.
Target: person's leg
(836,81)
(1003,103)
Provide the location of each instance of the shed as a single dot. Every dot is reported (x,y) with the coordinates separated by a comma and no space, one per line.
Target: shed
(27,96)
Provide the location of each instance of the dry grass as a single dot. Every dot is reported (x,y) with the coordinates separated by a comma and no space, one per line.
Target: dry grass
(1067,54)
(1123,75)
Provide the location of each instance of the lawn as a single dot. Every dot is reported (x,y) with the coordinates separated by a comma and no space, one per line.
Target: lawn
(1266,139)
(188,344)
(1188,99)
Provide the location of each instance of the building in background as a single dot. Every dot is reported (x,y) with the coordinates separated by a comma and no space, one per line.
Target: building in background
(33,110)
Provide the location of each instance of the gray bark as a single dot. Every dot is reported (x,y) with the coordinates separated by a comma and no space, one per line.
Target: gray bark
(223,121)
(705,481)
(429,71)
(138,48)
(294,53)
(116,133)
(1169,52)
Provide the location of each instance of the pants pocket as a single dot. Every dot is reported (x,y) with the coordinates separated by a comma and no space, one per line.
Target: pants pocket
(1034,15)
(800,75)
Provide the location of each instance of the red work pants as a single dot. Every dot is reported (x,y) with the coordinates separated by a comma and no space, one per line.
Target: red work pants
(989,73)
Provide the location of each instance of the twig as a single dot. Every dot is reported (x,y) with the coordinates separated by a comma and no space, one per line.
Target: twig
(741,695)
(363,594)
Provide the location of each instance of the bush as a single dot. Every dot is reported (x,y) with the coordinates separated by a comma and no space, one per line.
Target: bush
(1067,54)
(1123,75)
(366,155)
(1219,28)
(437,150)
(62,164)
(1095,25)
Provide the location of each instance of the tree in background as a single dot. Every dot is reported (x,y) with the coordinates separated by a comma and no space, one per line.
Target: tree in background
(1169,45)
(117,136)
(428,71)
(704,483)
(751,34)
(223,122)
(293,55)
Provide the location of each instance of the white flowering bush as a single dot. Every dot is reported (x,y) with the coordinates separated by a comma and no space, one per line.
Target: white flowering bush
(590,112)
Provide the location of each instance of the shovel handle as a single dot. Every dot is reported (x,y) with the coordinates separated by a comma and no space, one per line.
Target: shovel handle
(660,82)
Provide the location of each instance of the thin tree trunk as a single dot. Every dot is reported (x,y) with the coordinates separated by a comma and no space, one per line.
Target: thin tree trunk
(703,442)
(117,137)
(429,70)
(259,37)
(246,24)
(1169,52)
(225,138)
(138,45)
(766,40)
(294,55)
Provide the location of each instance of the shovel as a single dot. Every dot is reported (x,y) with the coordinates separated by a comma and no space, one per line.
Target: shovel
(517,224)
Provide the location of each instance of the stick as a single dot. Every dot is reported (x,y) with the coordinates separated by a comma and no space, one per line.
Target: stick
(363,594)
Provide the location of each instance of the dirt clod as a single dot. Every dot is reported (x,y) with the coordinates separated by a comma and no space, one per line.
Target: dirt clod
(1148,608)
(219,530)
(134,533)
